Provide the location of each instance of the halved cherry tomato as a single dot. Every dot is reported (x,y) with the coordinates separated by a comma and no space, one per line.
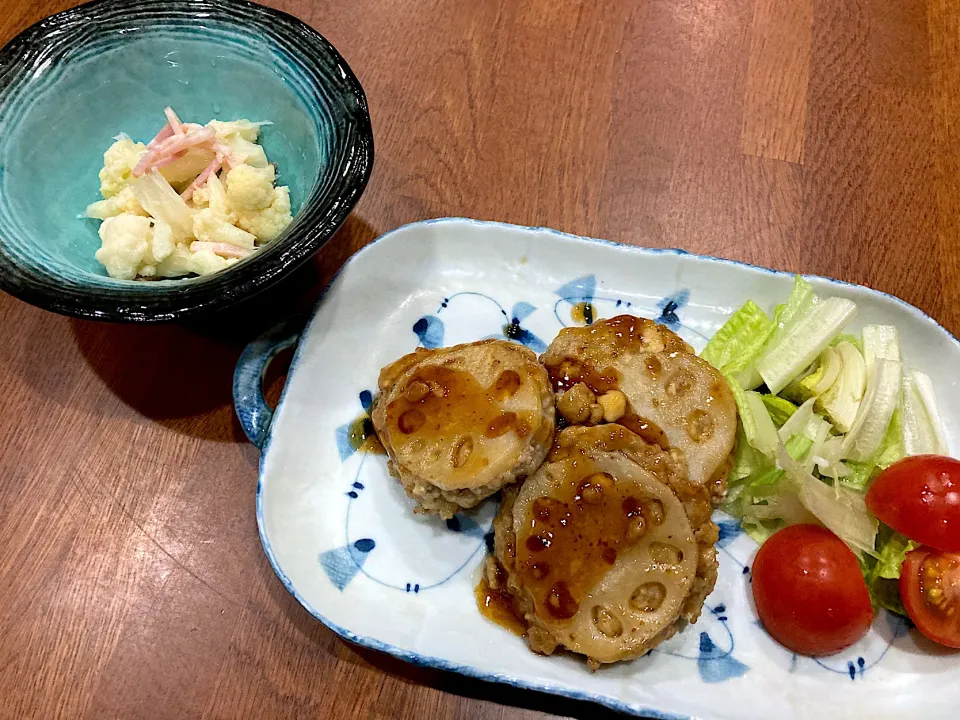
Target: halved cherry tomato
(809,592)
(930,590)
(920,497)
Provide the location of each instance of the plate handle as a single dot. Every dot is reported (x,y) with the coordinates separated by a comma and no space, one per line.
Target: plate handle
(252,410)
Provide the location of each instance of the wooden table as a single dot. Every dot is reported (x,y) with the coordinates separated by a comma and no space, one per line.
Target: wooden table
(819,136)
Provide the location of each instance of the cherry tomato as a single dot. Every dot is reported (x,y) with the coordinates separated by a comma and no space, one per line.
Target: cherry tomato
(809,592)
(930,590)
(920,497)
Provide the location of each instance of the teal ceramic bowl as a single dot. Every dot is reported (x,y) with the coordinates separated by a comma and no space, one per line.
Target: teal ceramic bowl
(72,82)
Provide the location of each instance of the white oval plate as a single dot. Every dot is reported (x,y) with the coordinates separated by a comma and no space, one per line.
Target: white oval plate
(341,534)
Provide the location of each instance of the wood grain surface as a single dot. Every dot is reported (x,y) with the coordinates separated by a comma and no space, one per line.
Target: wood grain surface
(819,136)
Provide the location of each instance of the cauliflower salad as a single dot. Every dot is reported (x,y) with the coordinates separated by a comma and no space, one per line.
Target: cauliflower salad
(194,200)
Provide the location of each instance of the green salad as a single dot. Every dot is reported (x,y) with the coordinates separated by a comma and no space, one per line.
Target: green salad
(822,412)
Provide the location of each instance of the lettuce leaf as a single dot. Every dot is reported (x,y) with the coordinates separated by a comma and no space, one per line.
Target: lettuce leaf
(844,512)
(891,449)
(892,548)
(842,400)
(798,446)
(873,416)
(812,331)
(757,426)
(739,335)
(859,476)
(854,340)
(922,431)
(882,570)
(886,594)
(780,409)
(746,459)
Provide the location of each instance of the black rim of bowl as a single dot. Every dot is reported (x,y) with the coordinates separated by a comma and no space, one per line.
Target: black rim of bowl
(314,224)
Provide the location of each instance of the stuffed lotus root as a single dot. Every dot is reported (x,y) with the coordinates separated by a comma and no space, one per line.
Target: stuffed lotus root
(607,548)
(460,423)
(666,393)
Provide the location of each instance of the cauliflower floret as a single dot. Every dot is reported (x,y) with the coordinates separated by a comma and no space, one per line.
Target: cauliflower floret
(161,242)
(205,262)
(268,223)
(247,152)
(241,138)
(123,202)
(249,188)
(213,195)
(183,262)
(201,197)
(218,200)
(208,227)
(118,163)
(176,264)
(243,129)
(125,243)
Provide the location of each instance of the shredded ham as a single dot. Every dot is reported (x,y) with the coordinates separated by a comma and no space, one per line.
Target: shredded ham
(222,249)
(165,132)
(202,178)
(173,121)
(229,161)
(168,160)
(171,144)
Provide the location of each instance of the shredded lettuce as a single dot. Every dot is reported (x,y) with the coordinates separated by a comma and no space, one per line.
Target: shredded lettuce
(798,421)
(892,548)
(787,316)
(843,511)
(743,492)
(881,353)
(818,430)
(925,387)
(798,446)
(880,342)
(886,594)
(760,530)
(837,409)
(737,345)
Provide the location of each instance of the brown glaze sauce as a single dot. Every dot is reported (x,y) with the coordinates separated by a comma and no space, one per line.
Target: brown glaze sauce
(497,605)
(613,438)
(363,438)
(626,333)
(569,541)
(570,372)
(441,403)
(632,334)
(582,313)
(623,333)
(647,429)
